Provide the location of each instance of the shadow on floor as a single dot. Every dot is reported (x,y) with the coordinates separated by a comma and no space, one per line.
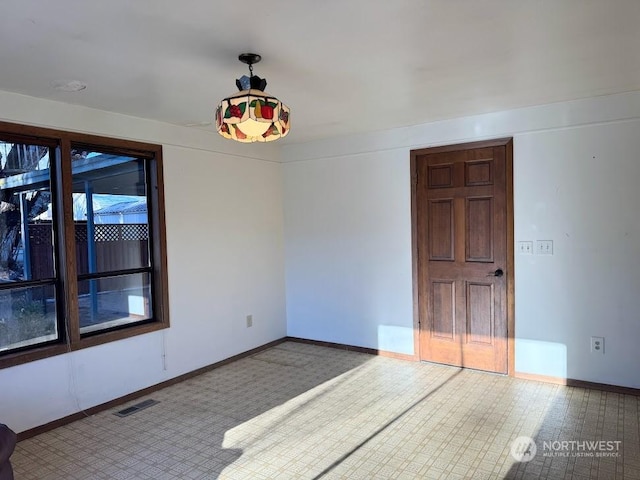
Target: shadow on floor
(184,434)
(583,434)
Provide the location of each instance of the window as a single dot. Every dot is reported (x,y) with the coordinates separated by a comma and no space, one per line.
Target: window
(82,242)
(28,306)
(112,239)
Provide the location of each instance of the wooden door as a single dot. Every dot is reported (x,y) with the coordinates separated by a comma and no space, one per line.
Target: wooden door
(463,265)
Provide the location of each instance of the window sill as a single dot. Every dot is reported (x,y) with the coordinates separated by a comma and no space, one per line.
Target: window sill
(39,353)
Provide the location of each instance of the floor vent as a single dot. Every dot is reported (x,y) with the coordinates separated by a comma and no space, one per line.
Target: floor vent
(136,408)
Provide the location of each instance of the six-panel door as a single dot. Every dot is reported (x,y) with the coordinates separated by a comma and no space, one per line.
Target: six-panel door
(462,256)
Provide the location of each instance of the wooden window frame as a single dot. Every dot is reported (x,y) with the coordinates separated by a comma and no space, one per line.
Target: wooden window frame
(69,326)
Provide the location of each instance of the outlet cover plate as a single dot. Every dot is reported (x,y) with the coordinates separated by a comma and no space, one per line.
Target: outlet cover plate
(597,345)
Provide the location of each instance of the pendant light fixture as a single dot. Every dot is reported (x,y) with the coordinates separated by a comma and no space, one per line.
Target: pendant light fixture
(252,115)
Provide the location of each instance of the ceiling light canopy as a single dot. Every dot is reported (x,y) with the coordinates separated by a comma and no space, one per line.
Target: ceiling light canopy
(252,115)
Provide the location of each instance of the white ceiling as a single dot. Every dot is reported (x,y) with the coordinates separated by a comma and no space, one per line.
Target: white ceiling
(343,66)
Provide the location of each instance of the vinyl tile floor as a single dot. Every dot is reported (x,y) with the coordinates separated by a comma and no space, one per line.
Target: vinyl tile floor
(300,411)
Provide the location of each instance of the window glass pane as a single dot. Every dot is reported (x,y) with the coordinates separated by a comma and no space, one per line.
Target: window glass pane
(26,246)
(114,301)
(27,316)
(110,212)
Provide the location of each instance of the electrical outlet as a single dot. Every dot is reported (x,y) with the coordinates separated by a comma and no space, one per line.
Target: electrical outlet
(597,345)
(525,248)
(249,321)
(544,247)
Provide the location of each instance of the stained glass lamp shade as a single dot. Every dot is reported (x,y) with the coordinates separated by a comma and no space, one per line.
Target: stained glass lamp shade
(252,115)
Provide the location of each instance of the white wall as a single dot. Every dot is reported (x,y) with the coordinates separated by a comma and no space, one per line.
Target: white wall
(225,261)
(348,255)
(348,247)
(348,235)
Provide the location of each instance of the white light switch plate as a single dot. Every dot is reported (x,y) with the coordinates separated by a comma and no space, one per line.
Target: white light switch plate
(544,247)
(525,248)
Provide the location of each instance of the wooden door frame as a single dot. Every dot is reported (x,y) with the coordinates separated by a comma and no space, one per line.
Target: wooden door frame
(510,274)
